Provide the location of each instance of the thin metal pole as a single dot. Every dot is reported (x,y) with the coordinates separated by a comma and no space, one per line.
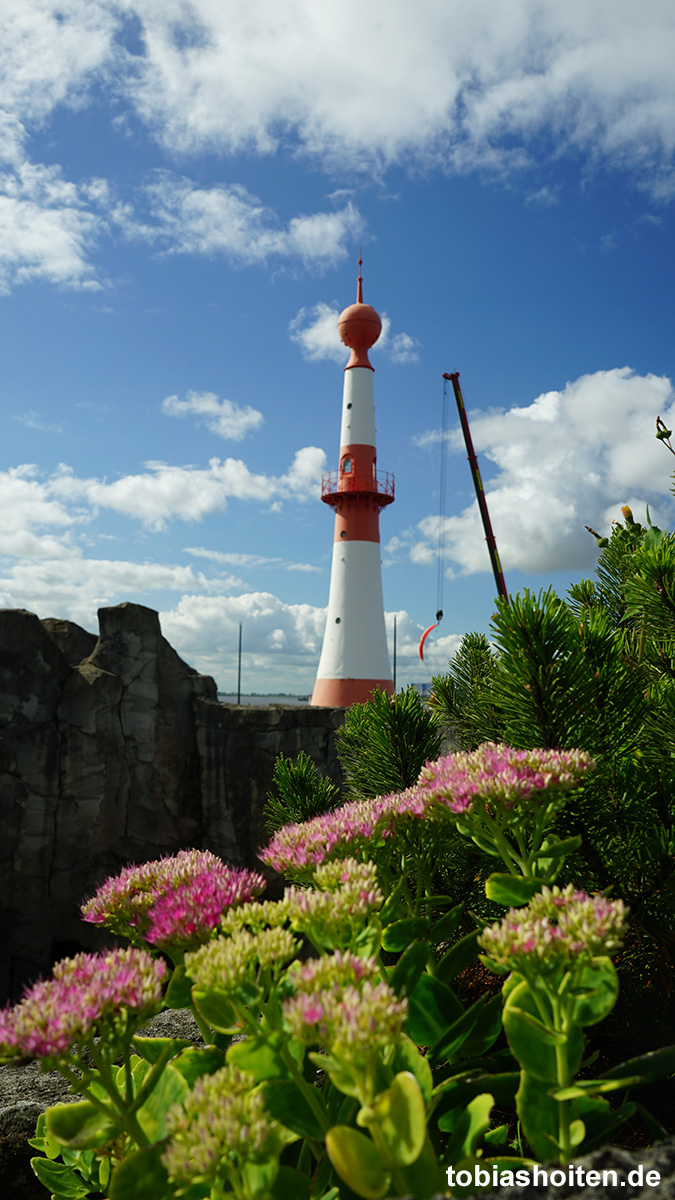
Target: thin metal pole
(394,651)
(239,669)
(478,485)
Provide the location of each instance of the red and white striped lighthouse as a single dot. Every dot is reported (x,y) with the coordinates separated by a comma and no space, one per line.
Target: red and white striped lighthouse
(355,658)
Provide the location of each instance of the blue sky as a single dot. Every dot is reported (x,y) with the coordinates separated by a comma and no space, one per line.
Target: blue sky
(184,188)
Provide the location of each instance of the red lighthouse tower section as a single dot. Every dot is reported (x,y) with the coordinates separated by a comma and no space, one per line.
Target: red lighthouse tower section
(355,658)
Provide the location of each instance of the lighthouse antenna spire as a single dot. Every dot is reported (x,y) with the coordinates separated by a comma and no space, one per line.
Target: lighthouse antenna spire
(359,282)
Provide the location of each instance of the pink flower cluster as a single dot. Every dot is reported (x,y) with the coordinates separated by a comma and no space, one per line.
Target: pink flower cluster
(556,928)
(83,993)
(500,775)
(295,848)
(175,901)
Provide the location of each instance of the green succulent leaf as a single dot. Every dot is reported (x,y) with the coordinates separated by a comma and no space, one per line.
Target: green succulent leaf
(152,1048)
(458,957)
(432,1008)
(532,1043)
(649,1067)
(290,1185)
(216,1010)
(80,1126)
(59,1179)
(357,1161)
(171,1088)
(447,925)
(473,1123)
(179,992)
(400,934)
(261,1055)
(409,968)
(259,1178)
(539,1115)
(408,1058)
(195,1062)
(424,1177)
(511,890)
(398,1116)
(141,1176)
(598,989)
(285,1101)
(339,1074)
(454,1094)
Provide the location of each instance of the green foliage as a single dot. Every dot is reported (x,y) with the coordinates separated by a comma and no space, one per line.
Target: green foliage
(385,742)
(302,792)
(595,672)
(463,697)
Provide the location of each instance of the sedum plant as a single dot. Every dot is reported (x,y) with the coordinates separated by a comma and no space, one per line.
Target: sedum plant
(356,1070)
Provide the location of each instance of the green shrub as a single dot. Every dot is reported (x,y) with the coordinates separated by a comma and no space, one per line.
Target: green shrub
(301,792)
(385,742)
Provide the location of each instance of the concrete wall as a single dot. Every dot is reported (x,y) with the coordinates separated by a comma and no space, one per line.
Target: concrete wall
(113,750)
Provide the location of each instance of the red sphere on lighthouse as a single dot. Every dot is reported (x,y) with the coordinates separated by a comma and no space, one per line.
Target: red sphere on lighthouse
(355,658)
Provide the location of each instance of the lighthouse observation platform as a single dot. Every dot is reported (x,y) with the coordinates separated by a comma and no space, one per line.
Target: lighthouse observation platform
(378,485)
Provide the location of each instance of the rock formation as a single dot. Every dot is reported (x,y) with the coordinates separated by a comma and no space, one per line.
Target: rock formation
(113,750)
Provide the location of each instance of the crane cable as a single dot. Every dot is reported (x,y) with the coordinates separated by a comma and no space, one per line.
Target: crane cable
(440,550)
(500,582)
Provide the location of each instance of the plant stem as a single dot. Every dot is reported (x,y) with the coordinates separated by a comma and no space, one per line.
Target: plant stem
(563,1074)
(307,1090)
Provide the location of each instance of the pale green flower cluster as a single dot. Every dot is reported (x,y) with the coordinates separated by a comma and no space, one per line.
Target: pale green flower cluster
(340,1006)
(257,915)
(335,912)
(221,1126)
(331,970)
(558,927)
(350,877)
(224,964)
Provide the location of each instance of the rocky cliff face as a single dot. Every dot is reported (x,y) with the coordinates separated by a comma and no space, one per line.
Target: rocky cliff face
(113,750)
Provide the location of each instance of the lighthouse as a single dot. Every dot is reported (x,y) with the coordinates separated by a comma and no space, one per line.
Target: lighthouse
(355,658)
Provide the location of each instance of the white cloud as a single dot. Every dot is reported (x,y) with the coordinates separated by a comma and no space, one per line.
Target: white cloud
(565,461)
(314,329)
(73,586)
(404,348)
(453,87)
(33,420)
(25,503)
(223,417)
(46,229)
(47,568)
(249,561)
(49,50)
(454,83)
(161,493)
(281,643)
(228,219)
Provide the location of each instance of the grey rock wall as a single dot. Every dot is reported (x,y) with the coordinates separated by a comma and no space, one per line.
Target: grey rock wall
(113,750)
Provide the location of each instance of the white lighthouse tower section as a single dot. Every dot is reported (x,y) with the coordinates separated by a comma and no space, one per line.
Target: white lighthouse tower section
(355,656)
(355,642)
(358,409)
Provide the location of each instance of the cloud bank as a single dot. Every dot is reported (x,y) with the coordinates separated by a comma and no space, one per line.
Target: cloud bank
(570,458)
(443,87)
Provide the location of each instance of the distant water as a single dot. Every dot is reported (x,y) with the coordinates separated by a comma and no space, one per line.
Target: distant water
(231,698)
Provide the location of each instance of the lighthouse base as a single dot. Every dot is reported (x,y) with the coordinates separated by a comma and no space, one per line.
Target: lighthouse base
(340,693)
